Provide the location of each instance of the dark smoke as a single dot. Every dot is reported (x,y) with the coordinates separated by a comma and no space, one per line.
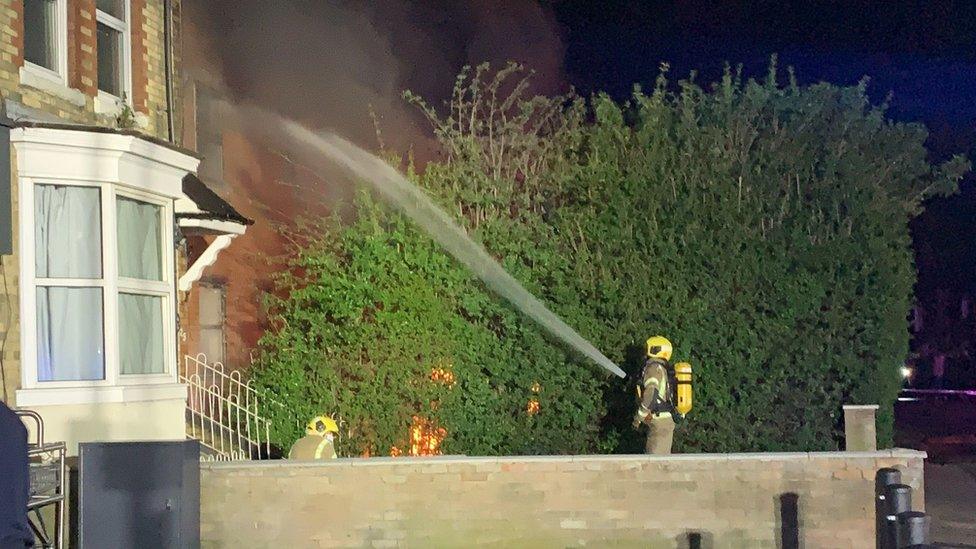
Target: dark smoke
(328,64)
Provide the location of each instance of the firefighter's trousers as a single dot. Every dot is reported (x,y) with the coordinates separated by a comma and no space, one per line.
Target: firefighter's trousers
(660,433)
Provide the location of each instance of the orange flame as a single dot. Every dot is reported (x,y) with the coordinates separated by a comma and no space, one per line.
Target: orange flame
(442,375)
(425,437)
(533,407)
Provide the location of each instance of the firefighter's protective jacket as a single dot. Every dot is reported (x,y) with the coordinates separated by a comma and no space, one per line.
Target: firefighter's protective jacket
(654,390)
(312,447)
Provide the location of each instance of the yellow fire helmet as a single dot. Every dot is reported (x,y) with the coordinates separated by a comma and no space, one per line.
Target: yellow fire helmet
(320,425)
(659,347)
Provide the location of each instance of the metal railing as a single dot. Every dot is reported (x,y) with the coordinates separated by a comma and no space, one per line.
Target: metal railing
(222,412)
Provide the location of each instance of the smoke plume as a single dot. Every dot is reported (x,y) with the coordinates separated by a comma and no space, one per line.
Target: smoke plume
(331,64)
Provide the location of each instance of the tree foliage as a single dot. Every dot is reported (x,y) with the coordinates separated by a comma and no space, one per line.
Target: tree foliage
(762,227)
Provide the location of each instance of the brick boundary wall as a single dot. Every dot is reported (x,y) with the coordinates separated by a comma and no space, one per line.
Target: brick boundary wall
(718,500)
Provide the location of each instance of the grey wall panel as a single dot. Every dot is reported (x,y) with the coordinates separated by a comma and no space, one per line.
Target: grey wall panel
(139,494)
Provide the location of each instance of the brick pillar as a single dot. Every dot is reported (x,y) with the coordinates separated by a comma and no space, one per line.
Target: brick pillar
(82,63)
(859,428)
(140,57)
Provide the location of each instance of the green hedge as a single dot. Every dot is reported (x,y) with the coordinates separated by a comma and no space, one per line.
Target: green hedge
(763,228)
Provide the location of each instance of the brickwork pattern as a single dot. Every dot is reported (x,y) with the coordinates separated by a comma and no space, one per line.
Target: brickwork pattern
(82,62)
(13,37)
(600,501)
(148,64)
(153,61)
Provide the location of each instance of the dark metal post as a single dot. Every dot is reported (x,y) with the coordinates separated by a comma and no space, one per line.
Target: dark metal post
(913,529)
(898,499)
(884,478)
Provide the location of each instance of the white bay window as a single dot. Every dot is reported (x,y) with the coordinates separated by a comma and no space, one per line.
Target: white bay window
(98,290)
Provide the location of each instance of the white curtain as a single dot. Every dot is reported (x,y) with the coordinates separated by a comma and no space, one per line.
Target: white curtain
(141,349)
(139,240)
(67,232)
(70,345)
(70,342)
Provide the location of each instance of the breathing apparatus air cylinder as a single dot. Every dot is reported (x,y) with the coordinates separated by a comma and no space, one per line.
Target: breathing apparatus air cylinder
(682,373)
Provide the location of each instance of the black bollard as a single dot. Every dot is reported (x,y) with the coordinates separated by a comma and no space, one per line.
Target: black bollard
(913,529)
(884,478)
(898,499)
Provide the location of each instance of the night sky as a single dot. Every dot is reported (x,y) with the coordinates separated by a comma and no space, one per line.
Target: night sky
(922,52)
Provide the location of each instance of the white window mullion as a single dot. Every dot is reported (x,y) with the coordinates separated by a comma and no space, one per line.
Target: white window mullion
(28,298)
(111,293)
(63,39)
(169,277)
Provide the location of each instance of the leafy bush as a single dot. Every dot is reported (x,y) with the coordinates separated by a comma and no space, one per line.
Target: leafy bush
(763,228)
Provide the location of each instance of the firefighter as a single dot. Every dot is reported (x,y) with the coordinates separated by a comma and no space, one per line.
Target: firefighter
(653,389)
(318,442)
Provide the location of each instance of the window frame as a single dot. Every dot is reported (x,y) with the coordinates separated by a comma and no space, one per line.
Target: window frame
(221,290)
(59,75)
(164,288)
(111,284)
(123,27)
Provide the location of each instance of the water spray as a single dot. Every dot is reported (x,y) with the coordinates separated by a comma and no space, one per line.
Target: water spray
(400,192)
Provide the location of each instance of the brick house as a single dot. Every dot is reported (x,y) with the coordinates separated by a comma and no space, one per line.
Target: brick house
(103,198)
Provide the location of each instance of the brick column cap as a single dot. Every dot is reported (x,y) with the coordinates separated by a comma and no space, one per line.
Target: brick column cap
(860,406)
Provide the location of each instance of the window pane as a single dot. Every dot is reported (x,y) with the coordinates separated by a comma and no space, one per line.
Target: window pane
(212,323)
(67,232)
(40,33)
(211,306)
(70,346)
(115,8)
(140,246)
(141,349)
(212,344)
(109,60)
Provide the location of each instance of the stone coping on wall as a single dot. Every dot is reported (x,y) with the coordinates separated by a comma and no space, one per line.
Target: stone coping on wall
(897,453)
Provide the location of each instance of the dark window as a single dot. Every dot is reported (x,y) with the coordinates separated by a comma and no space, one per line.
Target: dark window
(110,60)
(40,33)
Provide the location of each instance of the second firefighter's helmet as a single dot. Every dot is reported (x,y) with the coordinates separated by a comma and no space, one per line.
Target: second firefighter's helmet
(659,347)
(320,425)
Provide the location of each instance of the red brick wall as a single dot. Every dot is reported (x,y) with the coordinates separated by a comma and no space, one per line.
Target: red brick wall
(269,190)
(82,64)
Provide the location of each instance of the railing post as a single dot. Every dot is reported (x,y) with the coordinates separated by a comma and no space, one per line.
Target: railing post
(912,530)
(884,478)
(898,500)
